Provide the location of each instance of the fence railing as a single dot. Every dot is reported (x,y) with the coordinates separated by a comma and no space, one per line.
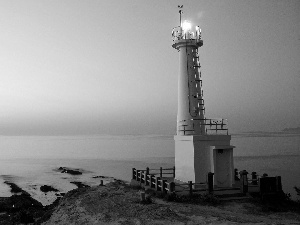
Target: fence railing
(263,184)
(141,174)
(159,180)
(213,126)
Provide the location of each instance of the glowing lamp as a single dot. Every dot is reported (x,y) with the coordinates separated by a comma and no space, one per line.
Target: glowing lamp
(186,26)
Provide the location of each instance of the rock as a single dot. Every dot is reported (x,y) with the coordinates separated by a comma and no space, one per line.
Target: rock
(23,201)
(47,188)
(21,208)
(69,171)
(59,194)
(15,189)
(79,184)
(104,177)
(26,217)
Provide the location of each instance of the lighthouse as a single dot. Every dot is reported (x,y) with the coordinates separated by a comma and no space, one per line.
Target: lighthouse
(202,145)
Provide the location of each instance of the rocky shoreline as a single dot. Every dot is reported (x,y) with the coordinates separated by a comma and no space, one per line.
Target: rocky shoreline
(22,208)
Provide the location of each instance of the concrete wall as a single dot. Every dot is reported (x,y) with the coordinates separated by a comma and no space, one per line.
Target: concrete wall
(195,156)
(184,161)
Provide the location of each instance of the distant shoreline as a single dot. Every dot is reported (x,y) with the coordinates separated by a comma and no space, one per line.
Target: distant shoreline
(285,131)
(291,132)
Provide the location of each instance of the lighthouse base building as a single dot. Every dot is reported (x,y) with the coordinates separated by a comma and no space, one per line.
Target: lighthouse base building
(197,155)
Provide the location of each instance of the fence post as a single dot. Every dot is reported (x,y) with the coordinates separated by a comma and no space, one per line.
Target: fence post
(161,172)
(157,183)
(254,178)
(278,184)
(141,176)
(143,195)
(133,171)
(174,171)
(244,181)
(190,188)
(152,180)
(171,187)
(236,177)
(144,176)
(137,175)
(210,182)
(163,185)
(147,181)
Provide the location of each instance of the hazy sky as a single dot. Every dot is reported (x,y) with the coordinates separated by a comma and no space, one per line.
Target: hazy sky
(107,67)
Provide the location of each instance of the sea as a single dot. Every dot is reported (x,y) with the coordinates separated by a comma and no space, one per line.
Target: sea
(33,161)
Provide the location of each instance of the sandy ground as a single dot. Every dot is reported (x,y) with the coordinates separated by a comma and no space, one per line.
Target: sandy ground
(117,203)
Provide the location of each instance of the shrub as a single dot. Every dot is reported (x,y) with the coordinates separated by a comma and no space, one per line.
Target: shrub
(210,198)
(297,190)
(148,200)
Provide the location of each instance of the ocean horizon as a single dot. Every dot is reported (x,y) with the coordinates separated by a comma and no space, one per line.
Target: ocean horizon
(32,161)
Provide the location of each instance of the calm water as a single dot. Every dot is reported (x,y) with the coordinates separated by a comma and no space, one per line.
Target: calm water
(31,161)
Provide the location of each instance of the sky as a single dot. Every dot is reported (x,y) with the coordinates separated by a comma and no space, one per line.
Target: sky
(71,67)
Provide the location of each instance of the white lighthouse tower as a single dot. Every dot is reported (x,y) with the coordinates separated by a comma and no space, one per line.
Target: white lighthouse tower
(201,145)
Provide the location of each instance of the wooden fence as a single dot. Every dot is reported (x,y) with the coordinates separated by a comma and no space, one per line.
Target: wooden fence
(262,184)
(162,180)
(159,180)
(154,178)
